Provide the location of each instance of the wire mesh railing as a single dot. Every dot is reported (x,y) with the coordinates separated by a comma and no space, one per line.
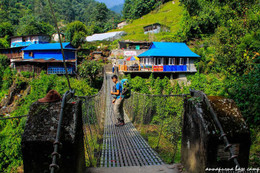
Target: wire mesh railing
(159,120)
(93,112)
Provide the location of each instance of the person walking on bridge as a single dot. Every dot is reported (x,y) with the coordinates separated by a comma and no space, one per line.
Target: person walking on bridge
(113,68)
(118,101)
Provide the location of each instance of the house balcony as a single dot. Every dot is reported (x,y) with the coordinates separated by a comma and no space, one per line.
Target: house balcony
(60,70)
(155,68)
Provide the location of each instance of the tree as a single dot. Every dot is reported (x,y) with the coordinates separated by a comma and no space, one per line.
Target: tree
(4,42)
(30,24)
(76,32)
(102,12)
(127,9)
(4,63)
(6,28)
(90,70)
(29,16)
(134,9)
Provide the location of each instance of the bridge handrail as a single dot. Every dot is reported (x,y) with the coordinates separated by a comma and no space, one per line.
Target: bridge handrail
(99,92)
(66,97)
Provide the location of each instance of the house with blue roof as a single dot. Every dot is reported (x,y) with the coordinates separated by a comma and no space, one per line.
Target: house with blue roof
(47,57)
(20,42)
(166,57)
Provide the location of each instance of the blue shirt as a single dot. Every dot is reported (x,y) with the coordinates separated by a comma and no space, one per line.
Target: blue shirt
(119,87)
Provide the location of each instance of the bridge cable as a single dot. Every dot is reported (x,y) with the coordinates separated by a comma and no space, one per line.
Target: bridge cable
(62,51)
(68,95)
(7,118)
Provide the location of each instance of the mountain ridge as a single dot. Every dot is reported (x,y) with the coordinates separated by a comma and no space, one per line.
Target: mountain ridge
(112,3)
(117,8)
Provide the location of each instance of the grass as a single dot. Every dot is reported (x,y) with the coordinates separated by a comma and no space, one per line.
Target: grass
(168,14)
(254,157)
(94,147)
(165,149)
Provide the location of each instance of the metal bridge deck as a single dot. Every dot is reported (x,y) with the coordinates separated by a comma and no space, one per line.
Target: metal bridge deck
(124,146)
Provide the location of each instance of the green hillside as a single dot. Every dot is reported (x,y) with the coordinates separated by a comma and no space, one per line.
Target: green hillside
(168,14)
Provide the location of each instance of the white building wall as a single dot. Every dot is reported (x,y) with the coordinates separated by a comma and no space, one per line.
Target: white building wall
(155,31)
(16,40)
(121,25)
(192,66)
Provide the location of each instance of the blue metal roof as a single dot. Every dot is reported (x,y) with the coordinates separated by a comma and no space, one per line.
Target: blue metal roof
(168,49)
(49,46)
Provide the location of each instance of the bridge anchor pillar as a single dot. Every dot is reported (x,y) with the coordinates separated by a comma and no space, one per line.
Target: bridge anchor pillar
(202,143)
(39,136)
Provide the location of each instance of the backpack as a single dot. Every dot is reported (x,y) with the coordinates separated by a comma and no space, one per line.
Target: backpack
(126,89)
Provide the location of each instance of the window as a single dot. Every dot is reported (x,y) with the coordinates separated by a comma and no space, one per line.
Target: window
(31,54)
(171,61)
(151,61)
(183,61)
(177,61)
(158,61)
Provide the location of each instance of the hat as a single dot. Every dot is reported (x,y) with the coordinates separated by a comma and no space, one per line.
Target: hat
(52,96)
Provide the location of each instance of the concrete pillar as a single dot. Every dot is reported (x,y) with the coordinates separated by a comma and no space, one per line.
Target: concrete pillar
(201,146)
(171,77)
(182,76)
(39,135)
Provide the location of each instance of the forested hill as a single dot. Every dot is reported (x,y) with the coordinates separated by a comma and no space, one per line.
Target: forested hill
(134,9)
(33,16)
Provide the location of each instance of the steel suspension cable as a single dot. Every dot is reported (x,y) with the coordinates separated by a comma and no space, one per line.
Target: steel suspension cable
(62,51)
(18,117)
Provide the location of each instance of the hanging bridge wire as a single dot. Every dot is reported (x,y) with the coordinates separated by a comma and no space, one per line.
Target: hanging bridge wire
(18,117)
(62,51)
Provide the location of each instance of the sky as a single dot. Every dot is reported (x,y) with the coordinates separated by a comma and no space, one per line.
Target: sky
(111,3)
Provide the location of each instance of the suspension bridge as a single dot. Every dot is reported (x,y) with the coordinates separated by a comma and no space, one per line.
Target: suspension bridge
(107,148)
(124,147)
